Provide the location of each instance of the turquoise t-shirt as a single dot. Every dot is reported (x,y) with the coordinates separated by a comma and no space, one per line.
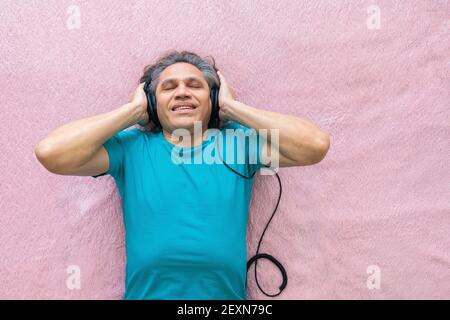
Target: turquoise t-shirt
(185,223)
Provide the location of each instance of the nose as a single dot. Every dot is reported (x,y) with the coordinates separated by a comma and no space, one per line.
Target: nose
(182,91)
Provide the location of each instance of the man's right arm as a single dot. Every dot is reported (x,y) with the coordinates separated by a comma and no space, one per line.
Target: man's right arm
(77,148)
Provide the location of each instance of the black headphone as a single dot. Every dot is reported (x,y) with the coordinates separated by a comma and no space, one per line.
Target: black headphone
(263,255)
(214,123)
(214,119)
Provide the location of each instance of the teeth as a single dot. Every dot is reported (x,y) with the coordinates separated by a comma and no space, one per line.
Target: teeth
(183,107)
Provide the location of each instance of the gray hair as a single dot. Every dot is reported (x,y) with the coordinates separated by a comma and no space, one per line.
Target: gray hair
(207,67)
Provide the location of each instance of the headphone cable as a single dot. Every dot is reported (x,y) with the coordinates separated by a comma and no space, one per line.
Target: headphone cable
(263,255)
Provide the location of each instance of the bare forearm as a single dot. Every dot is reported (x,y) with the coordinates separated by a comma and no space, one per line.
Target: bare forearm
(73,144)
(298,137)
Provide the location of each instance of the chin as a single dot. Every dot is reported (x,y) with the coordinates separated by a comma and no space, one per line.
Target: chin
(185,123)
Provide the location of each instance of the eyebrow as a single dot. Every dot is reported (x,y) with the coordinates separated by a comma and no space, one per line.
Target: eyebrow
(185,79)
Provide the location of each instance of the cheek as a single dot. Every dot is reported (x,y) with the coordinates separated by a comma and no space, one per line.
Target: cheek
(207,103)
(207,108)
(163,112)
(162,103)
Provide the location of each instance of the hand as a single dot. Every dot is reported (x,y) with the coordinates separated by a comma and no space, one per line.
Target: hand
(139,100)
(226,96)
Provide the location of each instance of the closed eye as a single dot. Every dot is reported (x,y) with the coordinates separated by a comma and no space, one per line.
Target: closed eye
(191,86)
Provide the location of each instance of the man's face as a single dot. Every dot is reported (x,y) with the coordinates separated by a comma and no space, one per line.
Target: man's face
(182,84)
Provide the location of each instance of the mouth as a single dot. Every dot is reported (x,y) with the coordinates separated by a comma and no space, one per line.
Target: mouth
(182,108)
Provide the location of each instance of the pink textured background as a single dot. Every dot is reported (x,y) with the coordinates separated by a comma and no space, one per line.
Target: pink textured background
(380,197)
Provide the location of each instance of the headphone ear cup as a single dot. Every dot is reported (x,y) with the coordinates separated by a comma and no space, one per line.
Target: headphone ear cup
(214,119)
(151,105)
(154,109)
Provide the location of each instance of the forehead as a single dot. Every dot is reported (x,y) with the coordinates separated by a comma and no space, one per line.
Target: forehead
(180,71)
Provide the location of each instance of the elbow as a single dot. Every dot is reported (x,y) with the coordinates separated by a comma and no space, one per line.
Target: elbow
(322,147)
(44,153)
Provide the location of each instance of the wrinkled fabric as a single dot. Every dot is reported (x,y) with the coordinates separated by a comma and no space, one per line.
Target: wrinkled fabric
(379,198)
(185,216)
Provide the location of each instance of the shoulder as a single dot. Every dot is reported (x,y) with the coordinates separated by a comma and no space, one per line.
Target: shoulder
(234,125)
(236,128)
(128,135)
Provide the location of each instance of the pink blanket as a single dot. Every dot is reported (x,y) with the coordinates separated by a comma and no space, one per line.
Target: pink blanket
(371,221)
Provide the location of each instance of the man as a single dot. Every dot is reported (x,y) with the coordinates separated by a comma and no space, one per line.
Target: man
(185,223)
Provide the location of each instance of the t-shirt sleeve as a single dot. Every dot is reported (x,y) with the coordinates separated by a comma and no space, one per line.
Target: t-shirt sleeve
(116,148)
(253,144)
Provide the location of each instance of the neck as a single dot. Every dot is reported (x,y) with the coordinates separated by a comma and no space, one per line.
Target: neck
(194,138)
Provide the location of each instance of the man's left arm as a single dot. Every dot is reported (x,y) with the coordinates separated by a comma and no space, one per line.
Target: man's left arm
(301,143)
